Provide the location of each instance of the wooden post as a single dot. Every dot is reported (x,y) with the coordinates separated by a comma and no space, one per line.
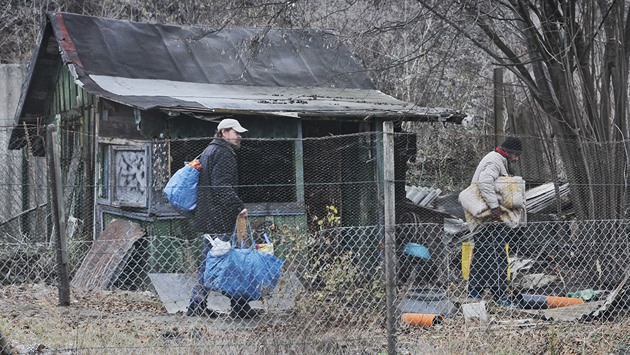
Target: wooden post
(59,221)
(499,107)
(299,165)
(390,233)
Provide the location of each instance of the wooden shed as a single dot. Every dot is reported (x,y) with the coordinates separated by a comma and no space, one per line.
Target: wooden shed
(123,94)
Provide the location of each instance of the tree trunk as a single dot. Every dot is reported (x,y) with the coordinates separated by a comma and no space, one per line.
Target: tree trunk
(568,44)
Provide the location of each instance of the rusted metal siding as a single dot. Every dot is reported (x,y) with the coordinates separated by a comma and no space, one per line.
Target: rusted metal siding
(109,251)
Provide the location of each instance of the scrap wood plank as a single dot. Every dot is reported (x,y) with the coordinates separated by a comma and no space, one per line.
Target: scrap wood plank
(106,254)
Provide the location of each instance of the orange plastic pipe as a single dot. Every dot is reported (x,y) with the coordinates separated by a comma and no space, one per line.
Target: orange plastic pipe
(422,320)
(555,301)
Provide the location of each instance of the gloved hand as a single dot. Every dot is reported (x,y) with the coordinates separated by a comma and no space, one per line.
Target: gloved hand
(495,215)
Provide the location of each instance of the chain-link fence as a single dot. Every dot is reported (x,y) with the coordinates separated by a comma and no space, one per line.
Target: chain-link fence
(551,281)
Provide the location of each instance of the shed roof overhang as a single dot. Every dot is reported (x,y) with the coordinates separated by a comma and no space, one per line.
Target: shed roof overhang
(147,94)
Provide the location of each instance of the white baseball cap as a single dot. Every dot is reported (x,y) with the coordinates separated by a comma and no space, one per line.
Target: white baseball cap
(230,123)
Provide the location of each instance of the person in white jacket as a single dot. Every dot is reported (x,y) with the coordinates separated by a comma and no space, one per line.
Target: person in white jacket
(488,269)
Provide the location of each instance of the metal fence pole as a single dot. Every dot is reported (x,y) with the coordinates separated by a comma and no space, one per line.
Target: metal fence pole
(499,107)
(56,193)
(390,236)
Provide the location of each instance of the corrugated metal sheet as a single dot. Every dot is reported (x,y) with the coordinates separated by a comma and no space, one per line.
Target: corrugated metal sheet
(106,254)
(586,310)
(204,97)
(567,314)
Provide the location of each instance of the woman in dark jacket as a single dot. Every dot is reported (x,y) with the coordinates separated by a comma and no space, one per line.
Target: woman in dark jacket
(489,263)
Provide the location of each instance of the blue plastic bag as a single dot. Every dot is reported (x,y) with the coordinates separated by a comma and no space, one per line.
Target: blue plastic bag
(246,273)
(417,250)
(181,189)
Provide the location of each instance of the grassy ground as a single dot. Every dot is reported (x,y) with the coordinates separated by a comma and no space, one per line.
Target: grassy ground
(122,322)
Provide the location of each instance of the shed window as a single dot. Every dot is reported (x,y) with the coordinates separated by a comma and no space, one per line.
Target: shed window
(130,168)
(124,177)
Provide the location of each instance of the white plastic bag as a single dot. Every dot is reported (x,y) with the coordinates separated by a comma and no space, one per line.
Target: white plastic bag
(219,247)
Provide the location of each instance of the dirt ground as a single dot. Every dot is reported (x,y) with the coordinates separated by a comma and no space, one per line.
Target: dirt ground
(122,322)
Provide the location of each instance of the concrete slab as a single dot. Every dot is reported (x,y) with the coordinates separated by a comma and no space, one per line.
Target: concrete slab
(475,311)
(283,297)
(174,291)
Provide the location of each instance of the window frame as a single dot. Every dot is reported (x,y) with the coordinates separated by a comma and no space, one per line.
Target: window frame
(109,187)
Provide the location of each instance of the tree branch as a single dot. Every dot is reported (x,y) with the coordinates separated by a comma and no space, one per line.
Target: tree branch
(513,63)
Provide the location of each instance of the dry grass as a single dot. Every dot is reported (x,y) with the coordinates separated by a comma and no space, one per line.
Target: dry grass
(113,322)
(514,337)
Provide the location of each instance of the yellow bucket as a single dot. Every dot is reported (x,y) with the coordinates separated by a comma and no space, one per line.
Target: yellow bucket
(467,252)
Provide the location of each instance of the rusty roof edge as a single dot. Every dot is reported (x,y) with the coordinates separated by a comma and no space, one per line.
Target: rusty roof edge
(69,52)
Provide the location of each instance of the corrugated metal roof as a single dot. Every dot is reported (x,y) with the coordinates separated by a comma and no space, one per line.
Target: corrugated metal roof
(230,56)
(296,72)
(177,95)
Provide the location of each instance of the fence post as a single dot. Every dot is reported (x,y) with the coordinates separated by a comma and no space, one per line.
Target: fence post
(56,193)
(499,107)
(390,233)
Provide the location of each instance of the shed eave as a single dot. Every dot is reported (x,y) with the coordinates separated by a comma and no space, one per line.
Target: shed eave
(175,96)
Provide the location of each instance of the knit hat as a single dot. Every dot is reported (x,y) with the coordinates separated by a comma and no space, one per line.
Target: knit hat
(512,145)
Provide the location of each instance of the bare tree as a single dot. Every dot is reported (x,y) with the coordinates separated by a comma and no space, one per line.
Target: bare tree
(573,58)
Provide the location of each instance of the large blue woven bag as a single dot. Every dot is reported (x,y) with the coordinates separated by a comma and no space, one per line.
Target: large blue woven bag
(244,273)
(181,189)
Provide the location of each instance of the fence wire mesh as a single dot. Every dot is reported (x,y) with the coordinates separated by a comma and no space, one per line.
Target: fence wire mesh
(556,282)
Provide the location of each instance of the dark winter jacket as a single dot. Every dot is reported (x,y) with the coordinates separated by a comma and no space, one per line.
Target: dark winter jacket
(218,205)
